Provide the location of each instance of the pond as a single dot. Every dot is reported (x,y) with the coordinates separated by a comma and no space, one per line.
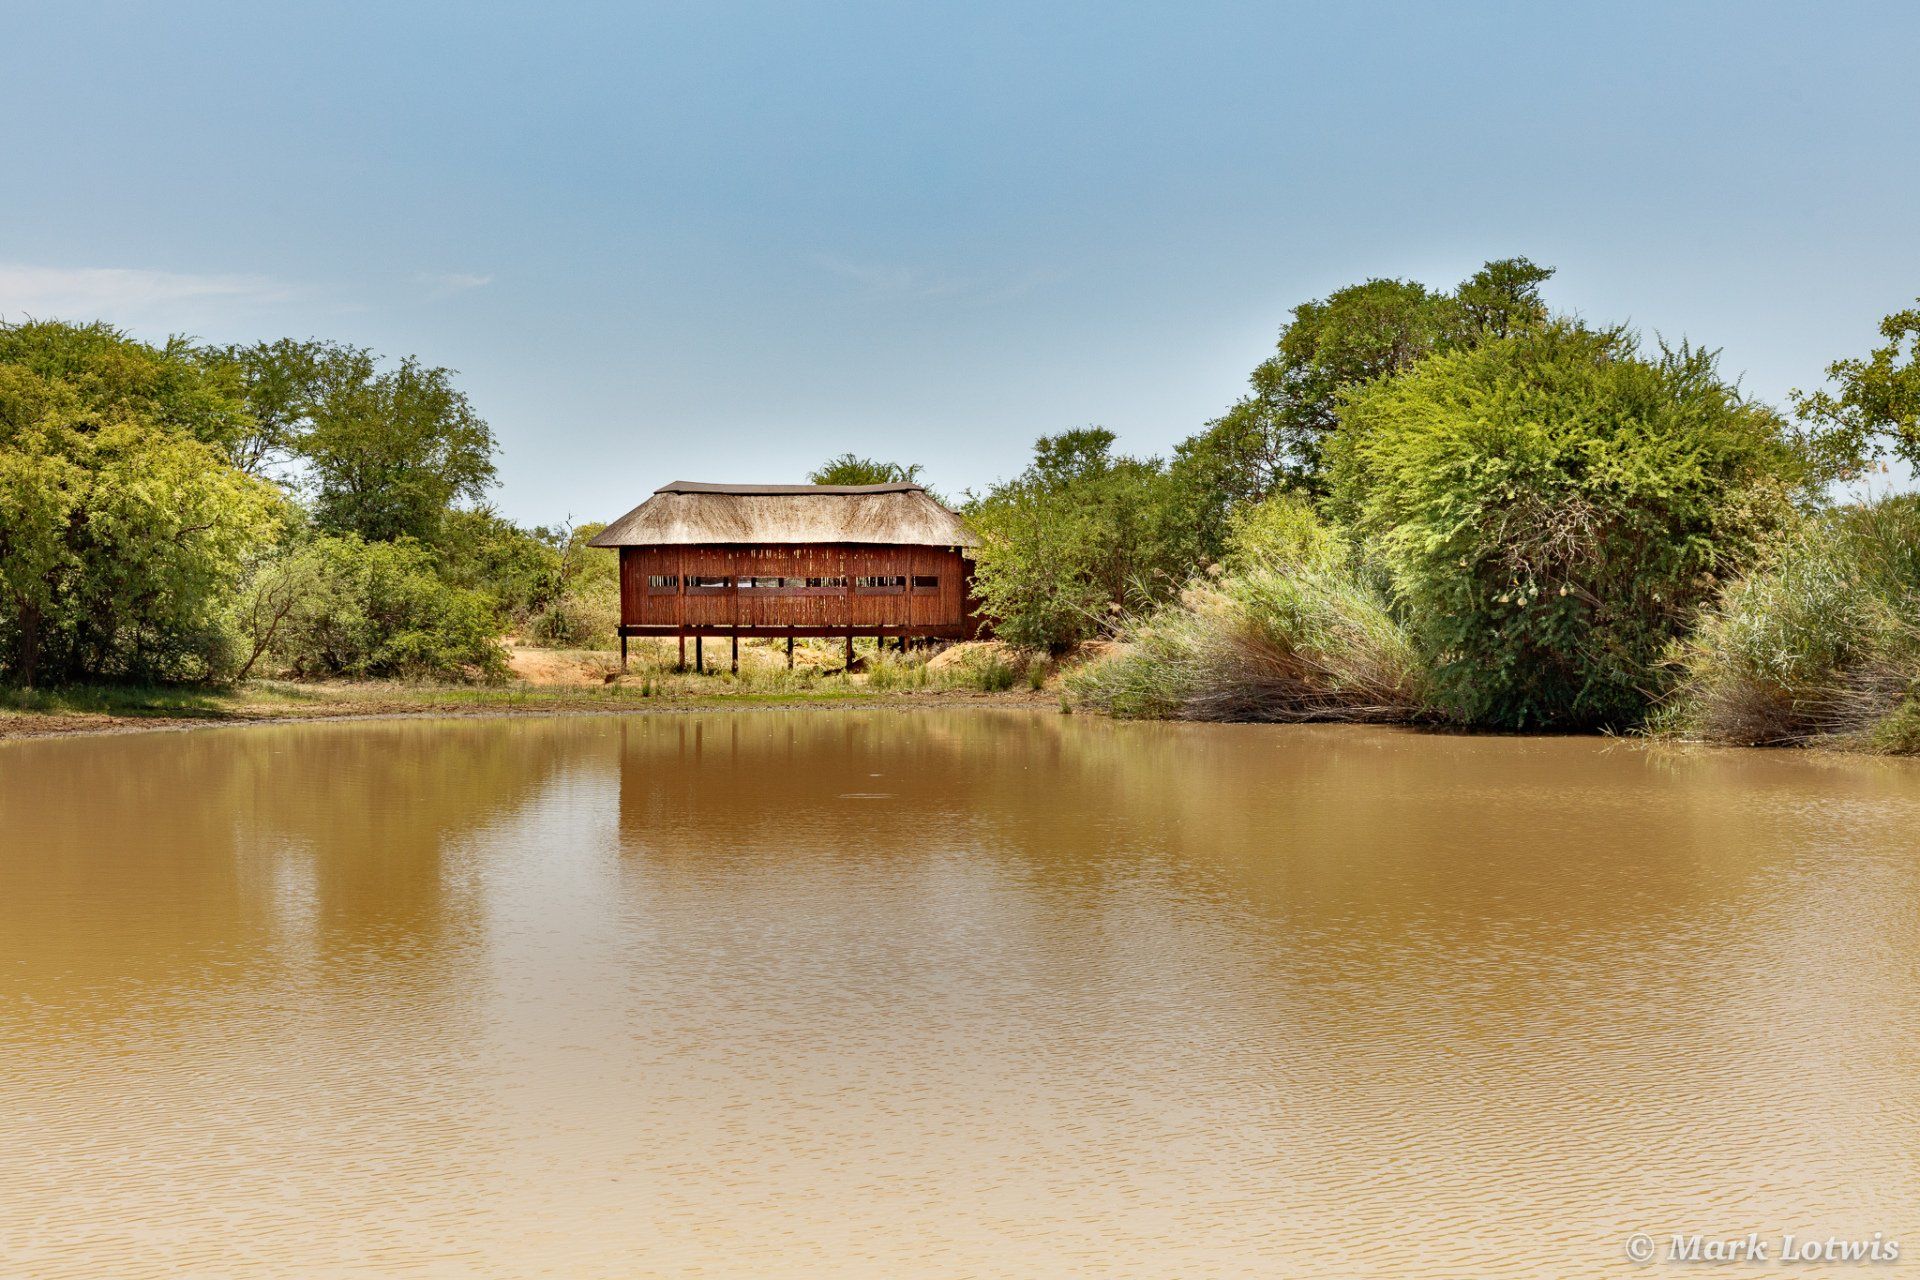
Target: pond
(943,993)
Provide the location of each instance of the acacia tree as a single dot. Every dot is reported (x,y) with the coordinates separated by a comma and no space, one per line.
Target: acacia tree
(850,468)
(389,453)
(1273,438)
(1501,299)
(279,381)
(382,455)
(1874,408)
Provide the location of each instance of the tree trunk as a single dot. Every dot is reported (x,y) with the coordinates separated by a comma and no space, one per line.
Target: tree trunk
(29,643)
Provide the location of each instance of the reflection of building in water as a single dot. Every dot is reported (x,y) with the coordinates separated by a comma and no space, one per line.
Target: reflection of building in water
(904,982)
(717,785)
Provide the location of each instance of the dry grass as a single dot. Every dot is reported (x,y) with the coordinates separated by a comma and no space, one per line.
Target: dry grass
(1275,642)
(1821,645)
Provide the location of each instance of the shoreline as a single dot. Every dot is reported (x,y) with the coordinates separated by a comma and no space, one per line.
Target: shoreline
(362,706)
(351,703)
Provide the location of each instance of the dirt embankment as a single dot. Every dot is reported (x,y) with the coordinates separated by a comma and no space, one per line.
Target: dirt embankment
(567,668)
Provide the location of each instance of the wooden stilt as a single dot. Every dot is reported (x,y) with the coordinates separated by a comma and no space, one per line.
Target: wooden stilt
(734,662)
(683,652)
(699,656)
(623,651)
(849,651)
(789,653)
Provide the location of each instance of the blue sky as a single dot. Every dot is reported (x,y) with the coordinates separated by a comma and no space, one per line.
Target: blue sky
(722,241)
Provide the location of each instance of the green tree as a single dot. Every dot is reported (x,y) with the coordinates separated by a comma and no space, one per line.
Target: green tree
(1236,462)
(383,455)
(849,468)
(122,523)
(1875,406)
(1502,299)
(279,382)
(107,374)
(1078,538)
(1552,509)
(390,453)
(1274,437)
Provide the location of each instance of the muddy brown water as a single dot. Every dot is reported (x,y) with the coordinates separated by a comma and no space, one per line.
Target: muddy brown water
(948,993)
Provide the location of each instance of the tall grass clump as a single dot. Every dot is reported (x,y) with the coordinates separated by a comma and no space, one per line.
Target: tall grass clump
(1821,643)
(990,674)
(891,671)
(1293,628)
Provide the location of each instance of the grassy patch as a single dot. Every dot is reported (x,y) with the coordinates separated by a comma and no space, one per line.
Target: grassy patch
(134,701)
(1821,644)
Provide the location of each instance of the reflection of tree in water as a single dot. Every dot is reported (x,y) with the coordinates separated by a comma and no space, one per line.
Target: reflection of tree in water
(1279,818)
(1035,958)
(1071,797)
(1343,856)
(145,857)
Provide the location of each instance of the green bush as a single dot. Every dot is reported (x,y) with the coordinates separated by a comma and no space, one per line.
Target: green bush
(549,585)
(1296,631)
(582,608)
(1821,642)
(1898,732)
(484,551)
(575,621)
(377,609)
(1282,532)
(1075,540)
(1551,510)
(122,525)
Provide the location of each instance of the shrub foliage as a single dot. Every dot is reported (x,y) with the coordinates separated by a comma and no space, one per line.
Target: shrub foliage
(1077,538)
(1820,642)
(376,609)
(122,525)
(1552,509)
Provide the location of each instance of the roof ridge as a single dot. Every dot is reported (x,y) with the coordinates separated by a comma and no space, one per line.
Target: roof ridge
(685,514)
(790,490)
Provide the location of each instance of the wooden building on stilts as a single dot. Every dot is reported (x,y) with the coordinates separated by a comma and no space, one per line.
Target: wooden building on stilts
(745,560)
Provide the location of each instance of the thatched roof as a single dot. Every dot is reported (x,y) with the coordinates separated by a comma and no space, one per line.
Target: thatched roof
(688,514)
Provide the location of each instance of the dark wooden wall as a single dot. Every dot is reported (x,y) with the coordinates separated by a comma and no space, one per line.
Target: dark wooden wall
(683,607)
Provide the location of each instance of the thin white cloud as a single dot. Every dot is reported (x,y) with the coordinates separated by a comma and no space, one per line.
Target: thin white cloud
(452,281)
(126,295)
(889,279)
(224,305)
(899,281)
